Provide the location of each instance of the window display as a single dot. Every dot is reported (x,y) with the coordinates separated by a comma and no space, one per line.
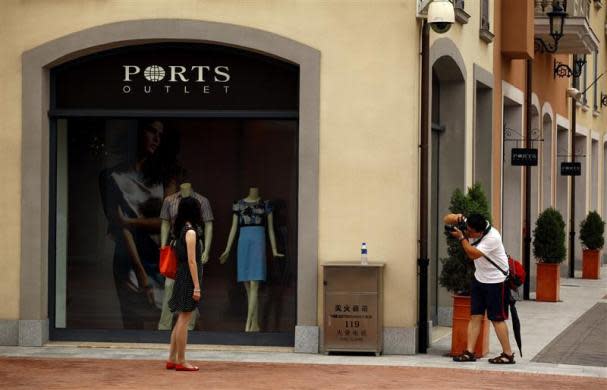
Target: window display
(119,183)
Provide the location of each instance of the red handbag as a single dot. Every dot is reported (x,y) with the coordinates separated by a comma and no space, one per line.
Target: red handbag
(168,262)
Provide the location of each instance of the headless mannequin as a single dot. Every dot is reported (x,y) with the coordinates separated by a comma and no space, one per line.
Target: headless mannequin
(185,189)
(251,286)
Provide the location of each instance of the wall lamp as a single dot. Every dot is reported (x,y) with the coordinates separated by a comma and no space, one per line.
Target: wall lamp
(557,20)
(576,94)
(563,70)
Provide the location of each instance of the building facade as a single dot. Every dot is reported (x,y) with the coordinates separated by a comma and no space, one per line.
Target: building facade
(112,105)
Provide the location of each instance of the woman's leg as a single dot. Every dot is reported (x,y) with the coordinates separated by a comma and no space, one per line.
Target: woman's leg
(181,335)
(173,346)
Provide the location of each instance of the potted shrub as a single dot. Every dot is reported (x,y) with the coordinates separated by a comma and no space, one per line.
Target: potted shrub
(458,271)
(591,235)
(549,250)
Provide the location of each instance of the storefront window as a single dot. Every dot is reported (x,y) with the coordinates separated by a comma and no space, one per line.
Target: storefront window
(114,172)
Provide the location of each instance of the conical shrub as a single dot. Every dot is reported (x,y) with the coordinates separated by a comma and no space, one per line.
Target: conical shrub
(458,270)
(549,237)
(591,231)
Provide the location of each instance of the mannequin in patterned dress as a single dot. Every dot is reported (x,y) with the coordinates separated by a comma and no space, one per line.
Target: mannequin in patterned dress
(249,215)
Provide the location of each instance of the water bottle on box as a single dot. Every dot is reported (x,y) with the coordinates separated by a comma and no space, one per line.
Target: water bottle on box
(363,254)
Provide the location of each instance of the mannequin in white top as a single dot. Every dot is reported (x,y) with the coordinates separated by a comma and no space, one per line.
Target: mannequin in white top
(251,286)
(166,317)
(185,189)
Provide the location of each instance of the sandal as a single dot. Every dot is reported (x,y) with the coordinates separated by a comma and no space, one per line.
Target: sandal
(465,356)
(503,358)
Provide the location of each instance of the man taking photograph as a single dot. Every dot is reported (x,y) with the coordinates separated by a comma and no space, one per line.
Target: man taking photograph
(488,291)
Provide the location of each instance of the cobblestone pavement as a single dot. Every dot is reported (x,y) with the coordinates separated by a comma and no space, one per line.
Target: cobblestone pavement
(67,373)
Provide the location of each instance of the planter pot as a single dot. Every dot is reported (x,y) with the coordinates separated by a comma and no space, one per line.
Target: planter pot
(591,264)
(459,334)
(548,282)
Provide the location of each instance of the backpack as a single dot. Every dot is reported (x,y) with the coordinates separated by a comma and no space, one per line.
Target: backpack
(516,274)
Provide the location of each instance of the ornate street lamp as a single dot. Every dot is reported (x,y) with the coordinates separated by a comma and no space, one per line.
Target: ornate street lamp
(557,20)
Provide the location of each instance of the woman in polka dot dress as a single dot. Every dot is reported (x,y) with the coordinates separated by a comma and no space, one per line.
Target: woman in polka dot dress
(186,291)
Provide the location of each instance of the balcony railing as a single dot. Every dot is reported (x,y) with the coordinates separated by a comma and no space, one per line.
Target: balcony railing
(578,36)
(572,7)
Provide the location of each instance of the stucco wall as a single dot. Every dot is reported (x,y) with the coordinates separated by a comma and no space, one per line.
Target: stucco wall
(588,118)
(368,126)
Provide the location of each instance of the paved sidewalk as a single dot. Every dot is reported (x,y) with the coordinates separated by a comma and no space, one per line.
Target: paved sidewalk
(140,365)
(20,373)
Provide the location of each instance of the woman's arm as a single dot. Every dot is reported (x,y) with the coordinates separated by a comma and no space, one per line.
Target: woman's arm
(190,240)
(142,278)
(147,224)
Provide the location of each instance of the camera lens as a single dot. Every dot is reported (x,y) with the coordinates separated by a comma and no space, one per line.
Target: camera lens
(440,27)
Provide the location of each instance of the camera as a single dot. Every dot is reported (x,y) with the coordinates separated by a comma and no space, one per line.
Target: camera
(461,225)
(441,16)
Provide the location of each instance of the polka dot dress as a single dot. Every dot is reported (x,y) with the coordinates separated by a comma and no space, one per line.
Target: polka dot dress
(181,300)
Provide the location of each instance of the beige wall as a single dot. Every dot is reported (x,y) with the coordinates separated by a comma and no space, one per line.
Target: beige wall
(368,127)
(595,121)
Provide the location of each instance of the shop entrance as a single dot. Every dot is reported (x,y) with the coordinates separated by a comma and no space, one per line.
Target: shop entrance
(152,118)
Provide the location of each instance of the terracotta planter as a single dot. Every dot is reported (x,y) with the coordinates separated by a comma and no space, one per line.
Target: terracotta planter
(591,264)
(548,282)
(459,335)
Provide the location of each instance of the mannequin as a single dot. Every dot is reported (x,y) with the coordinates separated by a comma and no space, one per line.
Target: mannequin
(185,189)
(166,318)
(257,256)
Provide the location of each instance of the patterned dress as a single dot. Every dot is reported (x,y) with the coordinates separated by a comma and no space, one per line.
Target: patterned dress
(251,253)
(181,300)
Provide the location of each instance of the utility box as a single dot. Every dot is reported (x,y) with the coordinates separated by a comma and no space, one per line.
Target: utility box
(353,307)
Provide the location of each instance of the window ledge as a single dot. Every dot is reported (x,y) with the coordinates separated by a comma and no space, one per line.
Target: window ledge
(461,16)
(486,35)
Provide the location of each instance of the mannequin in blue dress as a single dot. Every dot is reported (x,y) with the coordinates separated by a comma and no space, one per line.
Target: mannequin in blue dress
(250,216)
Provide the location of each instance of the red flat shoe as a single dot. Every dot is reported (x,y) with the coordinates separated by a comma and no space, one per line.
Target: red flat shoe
(181,367)
(170,366)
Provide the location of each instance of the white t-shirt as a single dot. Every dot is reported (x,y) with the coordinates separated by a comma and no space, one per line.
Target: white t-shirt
(491,246)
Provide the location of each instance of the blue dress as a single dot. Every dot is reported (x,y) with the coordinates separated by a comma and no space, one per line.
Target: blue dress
(251,253)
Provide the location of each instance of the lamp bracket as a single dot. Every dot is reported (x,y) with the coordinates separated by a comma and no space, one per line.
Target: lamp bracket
(543,47)
(563,70)
(509,135)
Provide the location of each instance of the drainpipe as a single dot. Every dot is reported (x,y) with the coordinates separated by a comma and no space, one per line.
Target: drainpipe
(527,225)
(423,261)
(574,81)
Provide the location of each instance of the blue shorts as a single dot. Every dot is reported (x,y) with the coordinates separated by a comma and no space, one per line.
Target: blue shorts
(490,297)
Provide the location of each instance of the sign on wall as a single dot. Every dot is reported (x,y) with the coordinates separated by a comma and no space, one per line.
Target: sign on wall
(571,169)
(524,157)
(176,76)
